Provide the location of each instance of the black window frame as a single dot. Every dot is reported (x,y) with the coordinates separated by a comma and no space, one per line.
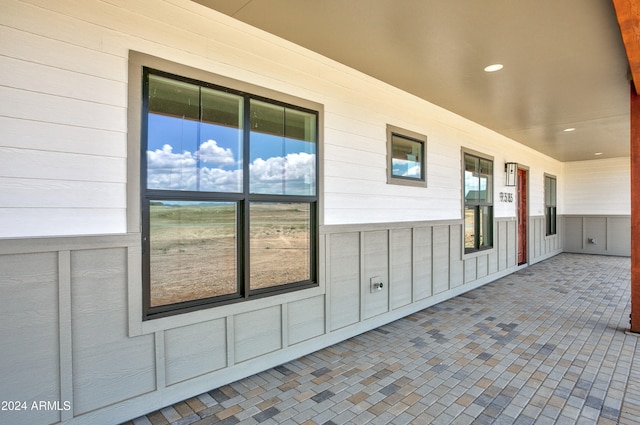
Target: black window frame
(483,240)
(551,204)
(242,199)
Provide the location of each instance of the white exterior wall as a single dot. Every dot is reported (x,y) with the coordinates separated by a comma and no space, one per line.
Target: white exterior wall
(63,65)
(600,187)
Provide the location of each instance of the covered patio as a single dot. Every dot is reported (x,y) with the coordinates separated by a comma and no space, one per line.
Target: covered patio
(547,344)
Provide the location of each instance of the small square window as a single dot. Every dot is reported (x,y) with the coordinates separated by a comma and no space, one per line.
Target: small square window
(406,157)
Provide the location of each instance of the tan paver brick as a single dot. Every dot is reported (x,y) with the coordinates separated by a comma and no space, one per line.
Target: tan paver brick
(195,404)
(183,409)
(229,412)
(358,397)
(157,418)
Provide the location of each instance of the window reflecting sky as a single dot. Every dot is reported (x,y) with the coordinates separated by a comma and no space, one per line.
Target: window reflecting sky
(183,154)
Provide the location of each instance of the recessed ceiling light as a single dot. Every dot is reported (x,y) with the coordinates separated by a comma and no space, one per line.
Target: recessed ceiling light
(493,68)
(598,153)
(569,130)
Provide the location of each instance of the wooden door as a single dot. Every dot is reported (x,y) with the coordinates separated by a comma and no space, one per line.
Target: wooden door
(522,216)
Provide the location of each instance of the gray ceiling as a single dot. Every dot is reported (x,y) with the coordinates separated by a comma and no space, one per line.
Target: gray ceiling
(564,61)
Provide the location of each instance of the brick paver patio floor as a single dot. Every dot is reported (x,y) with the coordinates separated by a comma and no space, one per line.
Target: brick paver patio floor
(546,344)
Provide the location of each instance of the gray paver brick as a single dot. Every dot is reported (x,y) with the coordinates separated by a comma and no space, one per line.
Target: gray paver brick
(542,345)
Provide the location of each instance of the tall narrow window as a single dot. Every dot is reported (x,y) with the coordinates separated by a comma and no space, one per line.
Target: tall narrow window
(478,203)
(550,204)
(229,195)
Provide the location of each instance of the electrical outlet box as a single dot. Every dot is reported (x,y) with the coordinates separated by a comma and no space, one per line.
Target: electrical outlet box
(592,241)
(376,284)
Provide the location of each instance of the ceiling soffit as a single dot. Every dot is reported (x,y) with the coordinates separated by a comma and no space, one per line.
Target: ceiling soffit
(564,61)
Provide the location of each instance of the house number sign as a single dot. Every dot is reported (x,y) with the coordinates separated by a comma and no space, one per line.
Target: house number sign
(506,197)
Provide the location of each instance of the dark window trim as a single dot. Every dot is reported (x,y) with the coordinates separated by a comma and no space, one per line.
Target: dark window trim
(414,137)
(551,223)
(242,199)
(477,206)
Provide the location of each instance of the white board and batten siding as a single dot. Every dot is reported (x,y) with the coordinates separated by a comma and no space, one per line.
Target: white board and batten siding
(70,250)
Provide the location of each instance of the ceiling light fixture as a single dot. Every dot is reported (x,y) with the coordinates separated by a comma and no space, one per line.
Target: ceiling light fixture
(493,68)
(569,130)
(598,153)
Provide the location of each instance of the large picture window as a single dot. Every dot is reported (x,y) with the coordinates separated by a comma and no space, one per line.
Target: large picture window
(478,203)
(550,204)
(229,195)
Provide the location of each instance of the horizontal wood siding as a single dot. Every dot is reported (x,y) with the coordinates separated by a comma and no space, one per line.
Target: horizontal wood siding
(63,160)
(599,188)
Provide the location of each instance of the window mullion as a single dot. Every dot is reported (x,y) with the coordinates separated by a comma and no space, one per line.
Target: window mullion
(478,226)
(243,222)
(198,139)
